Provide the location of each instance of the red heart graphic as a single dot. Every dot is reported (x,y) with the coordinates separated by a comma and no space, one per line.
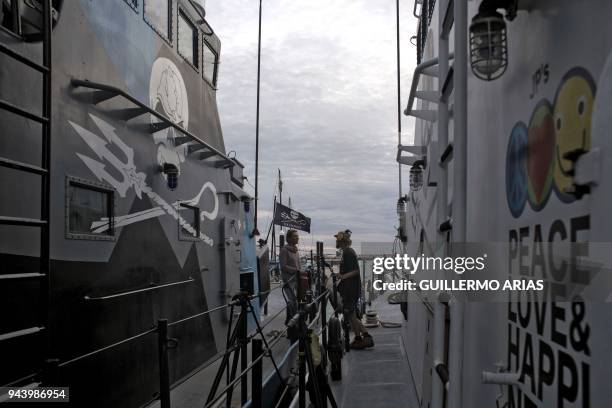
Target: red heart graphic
(540,153)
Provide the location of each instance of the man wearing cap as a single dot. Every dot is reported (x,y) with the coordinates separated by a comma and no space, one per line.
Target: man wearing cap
(350,288)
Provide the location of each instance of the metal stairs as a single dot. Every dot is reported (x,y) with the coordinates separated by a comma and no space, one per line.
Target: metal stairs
(196,148)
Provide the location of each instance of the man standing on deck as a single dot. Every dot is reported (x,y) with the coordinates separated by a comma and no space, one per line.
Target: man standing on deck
(350,288)
(289,260)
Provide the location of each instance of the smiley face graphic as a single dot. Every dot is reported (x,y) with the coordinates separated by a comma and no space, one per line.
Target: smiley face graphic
(572,123)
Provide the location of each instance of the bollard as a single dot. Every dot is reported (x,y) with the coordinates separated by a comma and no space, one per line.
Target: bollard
(257,373)
(164,375)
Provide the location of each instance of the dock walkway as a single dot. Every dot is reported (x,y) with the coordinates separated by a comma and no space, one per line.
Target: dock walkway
(378,377)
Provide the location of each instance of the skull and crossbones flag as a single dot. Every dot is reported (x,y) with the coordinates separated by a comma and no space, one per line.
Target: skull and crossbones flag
(287,217)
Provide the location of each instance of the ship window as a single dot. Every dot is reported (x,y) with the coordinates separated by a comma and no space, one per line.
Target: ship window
(25,18)
(189,222)
(187,39)
(9,15)
(89,212)
(209,64)
(157,14)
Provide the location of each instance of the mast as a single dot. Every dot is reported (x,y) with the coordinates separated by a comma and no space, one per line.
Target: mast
(257,116)
(399,96)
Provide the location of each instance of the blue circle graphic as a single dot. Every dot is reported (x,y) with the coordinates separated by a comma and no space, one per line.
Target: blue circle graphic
(516,170)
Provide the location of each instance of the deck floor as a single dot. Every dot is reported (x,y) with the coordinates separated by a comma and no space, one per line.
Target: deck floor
(378,377)
(371,378)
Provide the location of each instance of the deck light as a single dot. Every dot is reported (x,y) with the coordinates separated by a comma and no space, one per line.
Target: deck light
(416,176)
(401,206)
(488,45)
(488,38)
(172,174)
(402,209)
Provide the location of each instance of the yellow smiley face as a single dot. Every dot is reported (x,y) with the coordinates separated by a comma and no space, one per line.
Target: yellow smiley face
(572,123)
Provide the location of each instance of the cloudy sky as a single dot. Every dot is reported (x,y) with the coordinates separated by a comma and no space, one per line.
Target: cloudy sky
(328,106)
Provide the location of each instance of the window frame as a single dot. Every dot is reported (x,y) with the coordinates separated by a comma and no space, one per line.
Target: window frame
(196,50)
(170,22)
(182,235)
(134,7)
(213,82)
(95,186)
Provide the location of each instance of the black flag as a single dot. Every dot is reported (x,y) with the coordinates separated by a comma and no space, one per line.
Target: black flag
(287,217)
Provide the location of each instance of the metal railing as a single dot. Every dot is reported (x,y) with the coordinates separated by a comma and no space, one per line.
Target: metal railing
(135,291)
(427,8)
(304,320)
(416,77)
(103,92)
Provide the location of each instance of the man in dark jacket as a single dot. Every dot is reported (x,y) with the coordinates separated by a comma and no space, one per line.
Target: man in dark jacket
(350,289)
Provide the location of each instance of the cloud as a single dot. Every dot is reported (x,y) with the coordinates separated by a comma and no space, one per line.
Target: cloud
(328,113)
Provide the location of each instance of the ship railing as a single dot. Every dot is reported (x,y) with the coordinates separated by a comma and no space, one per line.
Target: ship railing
(304,321)
(429,67)
(425,16)
(53,364)
(50,373)
(136,291)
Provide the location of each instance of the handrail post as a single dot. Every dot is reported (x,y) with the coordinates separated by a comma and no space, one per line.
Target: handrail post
(243,350)
(324,330)
(321,271)
(51,372)
(319,276)
(256,379)
(302,357)
(312,309)
(311,271)
(164,374)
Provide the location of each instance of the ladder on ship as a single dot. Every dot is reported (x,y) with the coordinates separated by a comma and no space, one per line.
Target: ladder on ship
(451,106)
(24,337)
(451,101)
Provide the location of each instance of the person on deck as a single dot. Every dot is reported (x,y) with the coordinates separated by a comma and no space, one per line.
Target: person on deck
(289,260)
(349,287)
